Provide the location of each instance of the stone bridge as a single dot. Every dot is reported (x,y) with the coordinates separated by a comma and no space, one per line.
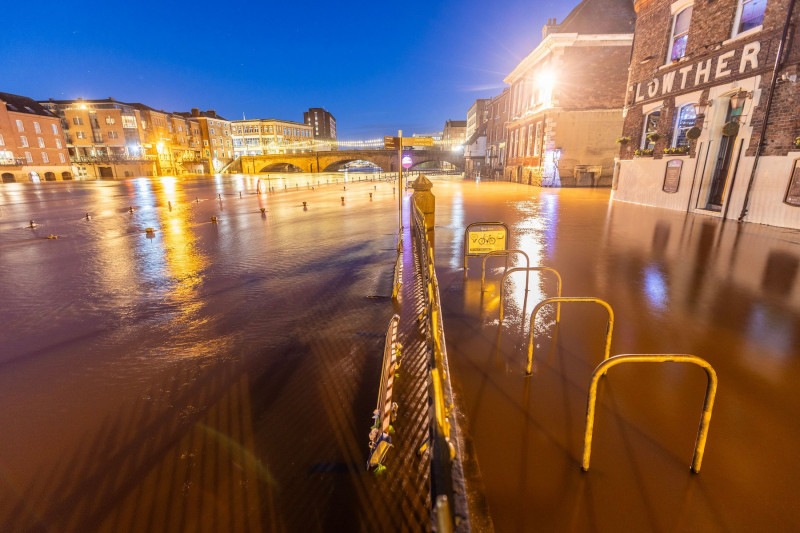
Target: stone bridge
(332,161)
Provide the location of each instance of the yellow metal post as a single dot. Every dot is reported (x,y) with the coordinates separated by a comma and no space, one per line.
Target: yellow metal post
(708,404)
(526,270)
(400,175)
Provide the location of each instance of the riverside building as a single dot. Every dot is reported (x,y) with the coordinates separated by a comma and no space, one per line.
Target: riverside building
(712,121)
(31,142)
(497,117)
(271,136)
(566,98)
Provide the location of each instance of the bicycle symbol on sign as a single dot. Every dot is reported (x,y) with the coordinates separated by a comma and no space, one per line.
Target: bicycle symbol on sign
(487,240)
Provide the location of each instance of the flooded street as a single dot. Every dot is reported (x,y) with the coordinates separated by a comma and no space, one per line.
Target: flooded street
(221,375)
(677,285)
(210,376)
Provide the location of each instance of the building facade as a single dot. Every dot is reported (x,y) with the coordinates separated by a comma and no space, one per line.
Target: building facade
(567,95)
(216,136)
(712,121)
(271,136)
(324,126)
(32,144)
(477,115)
(475,153)
(454,134)
(496,121)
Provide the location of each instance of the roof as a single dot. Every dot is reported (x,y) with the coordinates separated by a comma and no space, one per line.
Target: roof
(599,17)
(22,104)
(456,123)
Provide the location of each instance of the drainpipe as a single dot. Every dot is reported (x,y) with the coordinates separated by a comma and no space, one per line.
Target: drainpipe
(761,139)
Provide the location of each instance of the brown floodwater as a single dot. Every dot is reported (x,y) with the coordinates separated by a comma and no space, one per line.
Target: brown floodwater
(677,284)
(210,376)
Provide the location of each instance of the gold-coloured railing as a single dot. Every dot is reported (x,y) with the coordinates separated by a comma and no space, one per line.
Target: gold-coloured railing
(526,270)
(565,299)
(398,267)
(505,253)
(385,410)
(708,405)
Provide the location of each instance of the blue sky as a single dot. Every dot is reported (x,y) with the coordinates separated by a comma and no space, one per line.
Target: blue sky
(377,66)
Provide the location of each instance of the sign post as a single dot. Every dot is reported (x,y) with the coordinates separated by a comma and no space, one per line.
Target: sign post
(480,238)
(400,175)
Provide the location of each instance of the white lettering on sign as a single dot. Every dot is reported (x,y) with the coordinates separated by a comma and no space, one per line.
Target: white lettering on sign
(704,70)
(750,55)
(722,64)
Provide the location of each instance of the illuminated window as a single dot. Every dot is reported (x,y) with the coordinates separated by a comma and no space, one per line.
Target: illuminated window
(23,140)
(78,121)
(20,127)
(80,135)
(45,158)
(650,127)
(55,129)
(537,143)
(128,121)
(680,33)
(28,157)
(37,128)
(749,15)
(110,120)
(684,121)
(41,142)
(58,143)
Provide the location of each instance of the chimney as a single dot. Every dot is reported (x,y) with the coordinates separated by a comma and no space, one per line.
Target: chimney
(195,112)
(212,112)
(550,27)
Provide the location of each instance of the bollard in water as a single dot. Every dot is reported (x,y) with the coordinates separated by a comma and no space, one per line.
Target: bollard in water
(219,196)
(376,187)
(344,188)
(169,204)
(240,194)
(149,230)
(130,209)
(213,220)
(196,199)
(370,197)
(87,216)
(263,210)
(342,200)
(304,204)
(32,224)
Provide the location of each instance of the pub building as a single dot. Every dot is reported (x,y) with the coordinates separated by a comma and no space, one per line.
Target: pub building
(704,75)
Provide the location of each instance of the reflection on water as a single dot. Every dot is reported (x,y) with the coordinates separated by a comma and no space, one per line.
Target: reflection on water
(677,284)
(173,381)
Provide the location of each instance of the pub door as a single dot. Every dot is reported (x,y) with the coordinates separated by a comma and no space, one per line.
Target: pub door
(722,166)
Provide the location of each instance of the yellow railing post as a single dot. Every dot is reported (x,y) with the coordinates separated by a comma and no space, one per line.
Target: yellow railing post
(526,270)
(506,253)
(708,404)
(560,299)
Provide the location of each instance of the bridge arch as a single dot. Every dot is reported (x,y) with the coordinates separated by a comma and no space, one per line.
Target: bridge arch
(281,168)
(336,165)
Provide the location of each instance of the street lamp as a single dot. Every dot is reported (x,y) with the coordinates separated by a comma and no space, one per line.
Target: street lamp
(738,98)
(700,108)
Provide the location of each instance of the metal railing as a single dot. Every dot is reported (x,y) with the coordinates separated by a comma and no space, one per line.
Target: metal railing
(526,270)
(446,469)
(379,436)
(708,405)
(506,253)
(609,328)
(398,267)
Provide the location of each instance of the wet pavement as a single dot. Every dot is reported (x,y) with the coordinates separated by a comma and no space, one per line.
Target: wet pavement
(210,376)
(677,284)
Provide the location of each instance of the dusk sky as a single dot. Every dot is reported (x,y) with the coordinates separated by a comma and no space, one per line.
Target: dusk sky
(377,66)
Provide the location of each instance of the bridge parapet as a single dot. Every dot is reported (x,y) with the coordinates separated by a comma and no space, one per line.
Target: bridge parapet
(330,161)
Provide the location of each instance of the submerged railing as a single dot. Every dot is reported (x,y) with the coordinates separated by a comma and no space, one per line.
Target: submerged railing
(446,470)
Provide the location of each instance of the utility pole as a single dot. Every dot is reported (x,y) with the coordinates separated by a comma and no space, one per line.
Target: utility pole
(400,174)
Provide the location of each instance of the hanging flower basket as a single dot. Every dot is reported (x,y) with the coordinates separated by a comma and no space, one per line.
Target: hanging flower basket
(654,137)
(693,133)
(643,152)
(730,129)
(797,142)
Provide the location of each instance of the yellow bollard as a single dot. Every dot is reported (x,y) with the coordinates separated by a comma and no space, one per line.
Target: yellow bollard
(213,220)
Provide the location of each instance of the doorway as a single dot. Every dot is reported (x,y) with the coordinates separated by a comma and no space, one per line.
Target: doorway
(722,165)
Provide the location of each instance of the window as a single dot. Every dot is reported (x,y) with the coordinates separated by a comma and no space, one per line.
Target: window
(80,135)
(28,157)
(110,120)
(45,159)
(650,127)
(24,141)
(749,15)
(537,143)
(112,135)
(212,131)
(61,158)
(20,127)
(55,129)
(41,142)
(680,34)
(2,142)
(128,121)
(37,128)
(58,143)
(78,121)
(180,128)
(684,120)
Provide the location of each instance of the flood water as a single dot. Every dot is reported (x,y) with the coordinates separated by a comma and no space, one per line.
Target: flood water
(205,377)
(222,376)
(677,284)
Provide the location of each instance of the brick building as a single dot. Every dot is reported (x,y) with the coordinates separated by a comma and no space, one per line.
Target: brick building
(31,142)
(496,120)
(704,75)
(271,136)
(567,98)
(477,115)
(216,136)
(324,126)
(454,134)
